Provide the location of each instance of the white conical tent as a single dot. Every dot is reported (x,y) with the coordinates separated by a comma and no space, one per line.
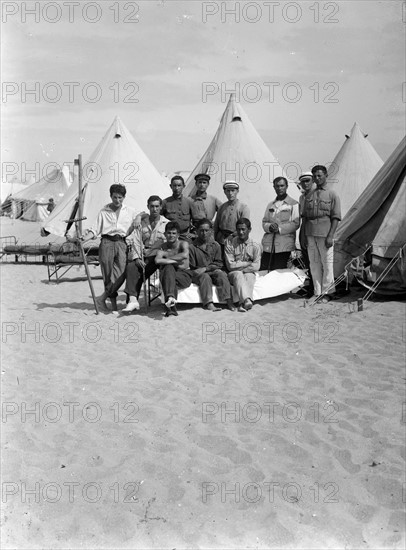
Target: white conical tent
(117,159)
(238,152)
(354,166)
(31,202)
(378,220)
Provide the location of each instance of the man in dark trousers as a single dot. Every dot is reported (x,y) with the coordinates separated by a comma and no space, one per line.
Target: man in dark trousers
(205,262)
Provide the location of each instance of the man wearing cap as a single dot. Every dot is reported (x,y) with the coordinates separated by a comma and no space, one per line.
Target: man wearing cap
(280,223)
(204,206)
(321,215)
(229,212)
(243,258)
(178,208)
(307,184)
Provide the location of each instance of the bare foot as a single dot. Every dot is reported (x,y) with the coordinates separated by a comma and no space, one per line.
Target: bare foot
(230,305)
(211,307)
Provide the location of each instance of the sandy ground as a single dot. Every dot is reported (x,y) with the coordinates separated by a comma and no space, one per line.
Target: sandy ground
(282,427)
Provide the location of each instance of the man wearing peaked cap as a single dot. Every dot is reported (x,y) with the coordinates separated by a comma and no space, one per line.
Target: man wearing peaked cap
(307,184)
(204,206)
(231,185)
(229,213)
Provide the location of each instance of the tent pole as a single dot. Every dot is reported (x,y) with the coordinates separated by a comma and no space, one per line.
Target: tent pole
(78,223)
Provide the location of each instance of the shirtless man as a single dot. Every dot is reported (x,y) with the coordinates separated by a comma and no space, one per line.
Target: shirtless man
(173,260)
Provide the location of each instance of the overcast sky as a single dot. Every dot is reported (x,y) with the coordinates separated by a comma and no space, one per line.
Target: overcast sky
(331,64)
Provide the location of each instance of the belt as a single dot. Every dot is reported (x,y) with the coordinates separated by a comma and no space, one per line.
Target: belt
(113,237)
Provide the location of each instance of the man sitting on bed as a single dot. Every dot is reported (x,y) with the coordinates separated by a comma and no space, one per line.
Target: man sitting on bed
(243,258)
(173,260)
(206,265)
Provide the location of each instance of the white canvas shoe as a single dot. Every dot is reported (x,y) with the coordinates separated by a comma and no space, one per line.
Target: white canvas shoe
(132,306)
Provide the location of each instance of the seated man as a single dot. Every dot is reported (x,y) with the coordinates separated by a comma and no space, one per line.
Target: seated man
(204,206)
(280,223)
(178,208)
(173,260)
(206,267)
(243,258)
(144,241)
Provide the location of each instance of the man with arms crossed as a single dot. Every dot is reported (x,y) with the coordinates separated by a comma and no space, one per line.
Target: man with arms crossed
(243,258)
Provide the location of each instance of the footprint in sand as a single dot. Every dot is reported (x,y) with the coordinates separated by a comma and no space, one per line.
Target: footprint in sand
(344,458)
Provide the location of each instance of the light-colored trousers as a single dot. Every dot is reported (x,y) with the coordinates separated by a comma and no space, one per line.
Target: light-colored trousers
(321,264)
(243,284)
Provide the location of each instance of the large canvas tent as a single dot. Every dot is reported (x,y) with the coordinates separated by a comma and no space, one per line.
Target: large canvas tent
(238,152)
(354,166)
(377,221)
(117,159)
(31,202)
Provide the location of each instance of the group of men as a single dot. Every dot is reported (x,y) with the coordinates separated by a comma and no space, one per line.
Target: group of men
(179,238)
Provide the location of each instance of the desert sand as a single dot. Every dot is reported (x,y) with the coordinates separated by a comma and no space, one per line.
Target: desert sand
(282,427)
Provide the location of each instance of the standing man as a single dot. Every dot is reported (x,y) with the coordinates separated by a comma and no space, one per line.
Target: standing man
(143,243)
(112,224)
(243,258)
(321,215)
(173,260)
(229,212)
(307,184)
(204,206)
(280,223)
(206,265)
(178,208)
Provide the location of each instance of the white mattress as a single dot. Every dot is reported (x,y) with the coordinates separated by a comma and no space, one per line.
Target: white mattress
(267,285)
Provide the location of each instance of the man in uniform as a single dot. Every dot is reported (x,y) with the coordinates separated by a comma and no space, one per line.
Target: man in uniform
(204,206)
(307,184)
(178,208)
(280,223)
(229,212)
(321,215)
(243,258)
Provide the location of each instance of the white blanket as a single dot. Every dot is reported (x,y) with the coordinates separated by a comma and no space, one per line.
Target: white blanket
(267,285)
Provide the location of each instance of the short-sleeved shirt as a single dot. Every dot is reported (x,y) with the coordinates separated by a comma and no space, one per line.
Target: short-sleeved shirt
(320,207)
(204,206)
(227,217)
(178,210)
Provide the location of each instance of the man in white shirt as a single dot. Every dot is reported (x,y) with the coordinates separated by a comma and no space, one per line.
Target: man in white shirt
(112,223)
(280,223)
